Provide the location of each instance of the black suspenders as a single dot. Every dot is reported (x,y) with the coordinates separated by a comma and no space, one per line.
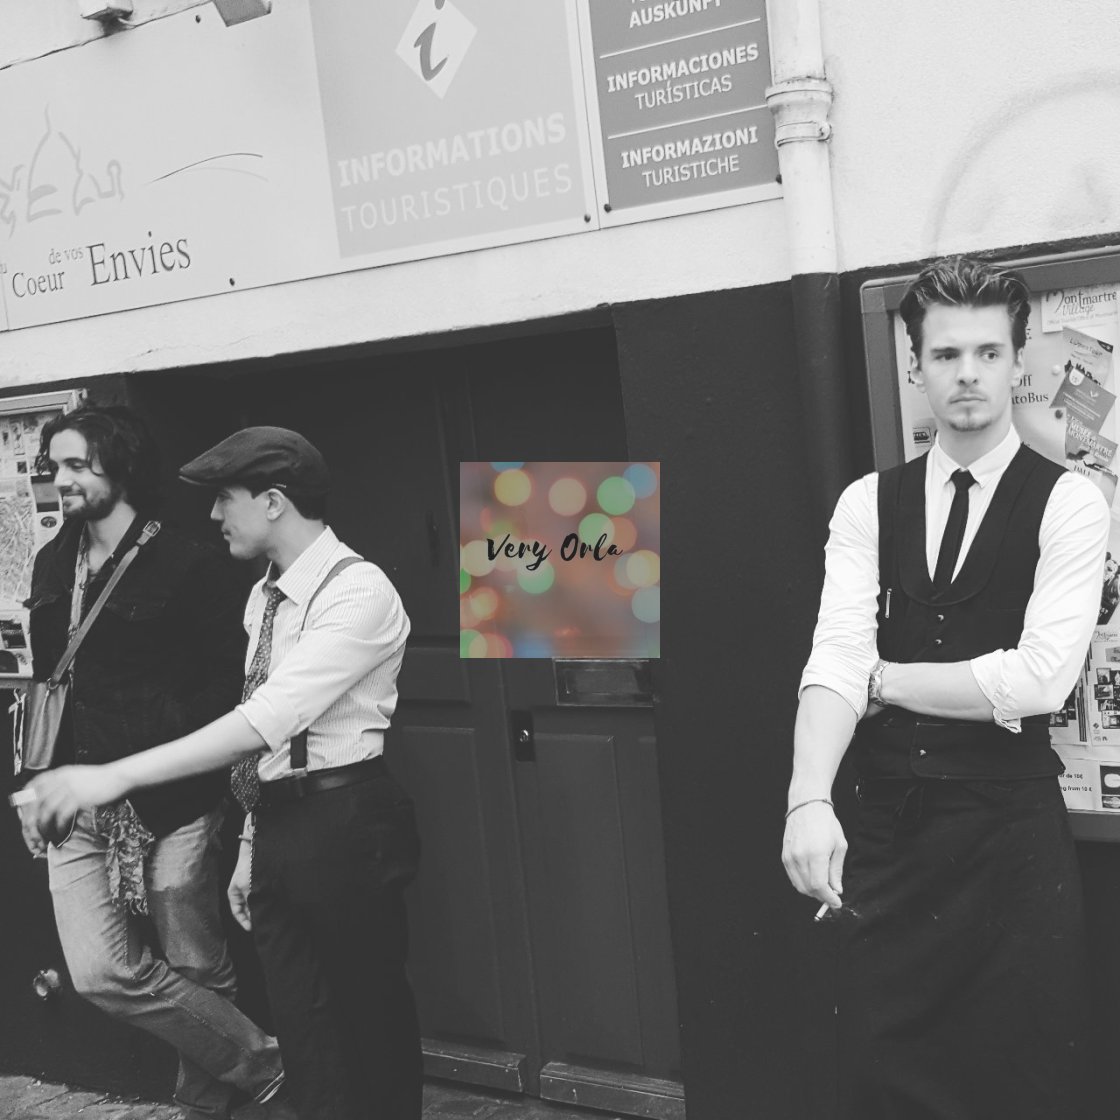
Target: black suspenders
(298,742)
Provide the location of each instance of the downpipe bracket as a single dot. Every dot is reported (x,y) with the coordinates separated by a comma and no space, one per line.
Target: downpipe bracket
(800,107)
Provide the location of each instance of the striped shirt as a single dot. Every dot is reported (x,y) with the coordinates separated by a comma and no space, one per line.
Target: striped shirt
(338,678)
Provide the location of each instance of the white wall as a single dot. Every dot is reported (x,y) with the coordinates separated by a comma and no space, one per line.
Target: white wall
(972,124)
(33,28)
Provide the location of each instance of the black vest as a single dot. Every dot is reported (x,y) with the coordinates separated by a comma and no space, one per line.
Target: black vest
(982,610)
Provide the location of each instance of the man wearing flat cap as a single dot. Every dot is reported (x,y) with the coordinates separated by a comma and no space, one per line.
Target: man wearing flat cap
(329,839)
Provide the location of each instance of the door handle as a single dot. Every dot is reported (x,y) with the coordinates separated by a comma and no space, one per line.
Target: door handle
(521,733)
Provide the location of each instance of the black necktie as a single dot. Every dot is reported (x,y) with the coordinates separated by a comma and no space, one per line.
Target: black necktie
(954,532)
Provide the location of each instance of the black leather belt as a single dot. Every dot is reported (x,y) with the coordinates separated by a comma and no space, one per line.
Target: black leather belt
(284,790)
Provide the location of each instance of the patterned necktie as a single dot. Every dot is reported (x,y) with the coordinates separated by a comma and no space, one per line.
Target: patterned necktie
(953,536)
(243,778)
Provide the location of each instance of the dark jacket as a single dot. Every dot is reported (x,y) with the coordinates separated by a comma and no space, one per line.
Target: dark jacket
(164,657)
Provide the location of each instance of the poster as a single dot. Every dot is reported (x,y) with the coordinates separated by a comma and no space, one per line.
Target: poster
(1084,306)
(29,517)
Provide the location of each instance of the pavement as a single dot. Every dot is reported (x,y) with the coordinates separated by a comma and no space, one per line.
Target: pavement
(26,1098)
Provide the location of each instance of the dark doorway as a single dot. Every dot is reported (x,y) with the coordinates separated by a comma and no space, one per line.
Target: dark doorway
(541,954)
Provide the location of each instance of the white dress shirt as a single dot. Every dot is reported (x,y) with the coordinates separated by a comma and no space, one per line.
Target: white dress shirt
(1037,675)
(339,676)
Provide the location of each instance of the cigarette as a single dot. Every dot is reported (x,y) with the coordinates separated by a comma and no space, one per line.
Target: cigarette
(22,797)
(821,912)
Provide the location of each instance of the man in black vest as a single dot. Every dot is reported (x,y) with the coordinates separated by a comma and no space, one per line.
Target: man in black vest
(960,595)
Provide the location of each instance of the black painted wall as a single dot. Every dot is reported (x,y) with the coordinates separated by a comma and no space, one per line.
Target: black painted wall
(708,389)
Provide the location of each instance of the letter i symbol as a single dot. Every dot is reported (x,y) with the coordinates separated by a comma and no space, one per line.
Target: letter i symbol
(424,43)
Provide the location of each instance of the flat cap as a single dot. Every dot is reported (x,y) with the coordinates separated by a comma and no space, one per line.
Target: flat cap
(278,456)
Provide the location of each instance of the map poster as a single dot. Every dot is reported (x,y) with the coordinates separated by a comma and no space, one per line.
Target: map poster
(29,516)
(17,539)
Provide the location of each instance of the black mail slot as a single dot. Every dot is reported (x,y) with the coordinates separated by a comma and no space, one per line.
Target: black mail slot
(609,683)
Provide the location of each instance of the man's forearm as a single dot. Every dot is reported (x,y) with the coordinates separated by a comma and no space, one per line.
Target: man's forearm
(213,747)
(928,688)
(824,728)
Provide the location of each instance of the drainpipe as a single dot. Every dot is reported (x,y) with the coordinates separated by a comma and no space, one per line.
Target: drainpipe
(800,99)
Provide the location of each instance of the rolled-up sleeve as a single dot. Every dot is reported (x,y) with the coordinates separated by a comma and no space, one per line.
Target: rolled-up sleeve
(1037,675)
(844,650)
(346,637)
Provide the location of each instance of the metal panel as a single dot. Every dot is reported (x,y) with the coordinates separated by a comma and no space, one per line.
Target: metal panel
(453,902)
(583,928)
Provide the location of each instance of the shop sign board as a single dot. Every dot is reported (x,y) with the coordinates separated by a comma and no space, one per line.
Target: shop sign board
(129,177)
(678,90)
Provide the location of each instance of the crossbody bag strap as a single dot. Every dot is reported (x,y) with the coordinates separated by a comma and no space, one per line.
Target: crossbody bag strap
(298,744)
(146,535)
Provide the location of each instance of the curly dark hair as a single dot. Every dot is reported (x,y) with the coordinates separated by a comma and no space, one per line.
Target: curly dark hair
(122,444)
(966,282)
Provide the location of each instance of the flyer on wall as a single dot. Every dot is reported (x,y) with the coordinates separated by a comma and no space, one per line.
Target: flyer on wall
(29,517)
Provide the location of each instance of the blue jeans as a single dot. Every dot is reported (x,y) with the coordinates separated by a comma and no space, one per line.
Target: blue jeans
(185,995)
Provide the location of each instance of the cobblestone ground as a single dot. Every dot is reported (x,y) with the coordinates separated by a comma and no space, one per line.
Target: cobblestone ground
(24,1098)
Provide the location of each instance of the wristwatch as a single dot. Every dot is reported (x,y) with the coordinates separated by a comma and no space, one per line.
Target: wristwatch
(875,683)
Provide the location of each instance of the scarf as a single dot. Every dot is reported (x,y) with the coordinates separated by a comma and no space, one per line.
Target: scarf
(128,841)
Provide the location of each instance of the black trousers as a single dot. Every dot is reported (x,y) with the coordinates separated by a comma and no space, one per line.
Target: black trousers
(962,991)
(330,926)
